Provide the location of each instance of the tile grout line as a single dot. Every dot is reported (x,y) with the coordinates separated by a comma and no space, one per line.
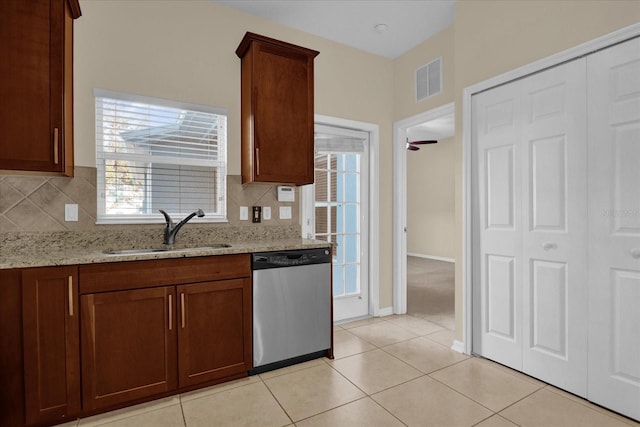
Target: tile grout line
(366,395)
(23,196)
(276,399)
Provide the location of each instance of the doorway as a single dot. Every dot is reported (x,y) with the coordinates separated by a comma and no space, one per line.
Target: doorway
(424,218)
(337,209)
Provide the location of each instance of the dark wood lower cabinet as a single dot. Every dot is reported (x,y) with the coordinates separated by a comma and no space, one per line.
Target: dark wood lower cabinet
(214,323)
(51,344)
(91,338)
(128,346)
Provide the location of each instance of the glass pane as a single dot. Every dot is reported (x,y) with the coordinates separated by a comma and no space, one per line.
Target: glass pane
(351,185)
(338,280)
(321,220)
(321,186)
(351,279)
(125,187)
(351,247)
(181,189)
(334,218)
(333,160)
(339,228)
(321,161)
(339,187)
(351,218)
(351,163)
(339,162)
(339,257)
(333,191)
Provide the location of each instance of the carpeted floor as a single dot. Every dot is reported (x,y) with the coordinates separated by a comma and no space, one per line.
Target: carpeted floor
(430,290)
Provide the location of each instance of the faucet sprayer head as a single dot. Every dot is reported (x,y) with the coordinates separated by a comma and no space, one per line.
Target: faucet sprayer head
(199,213)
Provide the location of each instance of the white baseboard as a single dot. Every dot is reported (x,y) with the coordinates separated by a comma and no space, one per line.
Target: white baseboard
(437,258)
(387,311)
(458,346)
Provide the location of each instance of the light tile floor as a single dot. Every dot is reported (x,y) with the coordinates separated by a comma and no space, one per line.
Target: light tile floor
(391,371)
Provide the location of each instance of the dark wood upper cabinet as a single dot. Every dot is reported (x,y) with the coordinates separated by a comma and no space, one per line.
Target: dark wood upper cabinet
(51,344)
(277,111)
(36,85)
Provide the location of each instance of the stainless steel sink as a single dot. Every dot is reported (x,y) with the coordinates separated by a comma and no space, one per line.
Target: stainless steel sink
(174,248)
(133,251)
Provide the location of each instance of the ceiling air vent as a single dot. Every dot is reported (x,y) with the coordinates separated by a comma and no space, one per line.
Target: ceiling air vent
(429,80)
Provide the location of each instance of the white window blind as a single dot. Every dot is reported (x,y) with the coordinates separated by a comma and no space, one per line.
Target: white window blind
(158,154)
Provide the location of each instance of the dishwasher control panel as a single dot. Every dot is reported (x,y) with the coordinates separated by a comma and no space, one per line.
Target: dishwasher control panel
(264,260)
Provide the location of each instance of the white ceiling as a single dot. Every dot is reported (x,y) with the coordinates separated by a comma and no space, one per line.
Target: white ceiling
(440,128)
(352,23)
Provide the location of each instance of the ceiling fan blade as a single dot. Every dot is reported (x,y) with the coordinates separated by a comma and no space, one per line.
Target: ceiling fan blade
(427,141)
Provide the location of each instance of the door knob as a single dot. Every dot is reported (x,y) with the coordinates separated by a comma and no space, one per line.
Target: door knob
(635,253)
(549,245)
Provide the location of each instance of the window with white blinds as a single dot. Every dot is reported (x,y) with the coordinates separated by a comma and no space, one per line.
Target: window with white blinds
(159,154)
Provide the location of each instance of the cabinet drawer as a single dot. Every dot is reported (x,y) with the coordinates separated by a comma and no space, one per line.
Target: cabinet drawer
(144,274)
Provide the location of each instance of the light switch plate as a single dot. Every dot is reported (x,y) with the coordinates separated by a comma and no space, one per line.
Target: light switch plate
(244,213)
(257,214)
(71,212)
(266,213)
(285,212)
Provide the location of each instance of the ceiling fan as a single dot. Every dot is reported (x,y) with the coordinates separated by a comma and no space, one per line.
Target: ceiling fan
(413,146)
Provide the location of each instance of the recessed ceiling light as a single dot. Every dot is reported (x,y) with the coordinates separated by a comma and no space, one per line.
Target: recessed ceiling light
(381,28)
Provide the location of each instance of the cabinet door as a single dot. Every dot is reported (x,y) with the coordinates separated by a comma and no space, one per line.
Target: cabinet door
(614,228)
(35,84)
(128,345)
(277,111)
(214,330)
(283,115)
(51,343)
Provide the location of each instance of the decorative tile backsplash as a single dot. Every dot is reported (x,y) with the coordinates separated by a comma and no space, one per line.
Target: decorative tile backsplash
(36,203)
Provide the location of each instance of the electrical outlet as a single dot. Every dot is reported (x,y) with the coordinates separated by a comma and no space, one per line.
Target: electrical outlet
(257,214)
(71,212)
(285,212)
(266,213)
(244,213)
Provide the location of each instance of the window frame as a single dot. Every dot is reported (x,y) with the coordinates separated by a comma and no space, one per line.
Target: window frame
(220,165)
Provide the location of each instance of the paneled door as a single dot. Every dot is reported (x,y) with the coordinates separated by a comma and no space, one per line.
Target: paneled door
(614,216)
(337,210)
(554,271)
(497,125)
(530,157)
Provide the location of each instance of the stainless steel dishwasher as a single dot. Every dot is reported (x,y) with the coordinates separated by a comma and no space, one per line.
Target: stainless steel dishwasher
(291,307)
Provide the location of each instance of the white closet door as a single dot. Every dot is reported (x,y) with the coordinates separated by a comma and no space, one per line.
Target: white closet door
(614,228)
(554,217)
(497,259)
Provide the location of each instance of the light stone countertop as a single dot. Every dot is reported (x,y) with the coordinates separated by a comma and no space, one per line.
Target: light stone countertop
(51,250)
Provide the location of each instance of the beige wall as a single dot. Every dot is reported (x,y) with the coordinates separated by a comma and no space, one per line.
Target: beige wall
(404,67)
(430,200)
(493,37)
(430,208)
(185,50)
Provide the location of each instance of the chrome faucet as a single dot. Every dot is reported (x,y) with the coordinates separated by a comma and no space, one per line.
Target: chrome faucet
(172,229)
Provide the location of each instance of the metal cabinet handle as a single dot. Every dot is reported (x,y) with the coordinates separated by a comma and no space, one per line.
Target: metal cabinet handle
(635,253)
(170,312)
(549,245)
(182,308)
(56,160)
(257,160)
(70,296)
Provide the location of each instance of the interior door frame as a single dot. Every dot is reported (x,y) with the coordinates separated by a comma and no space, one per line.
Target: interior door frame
(374,202)
(467,196)
(400,200)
